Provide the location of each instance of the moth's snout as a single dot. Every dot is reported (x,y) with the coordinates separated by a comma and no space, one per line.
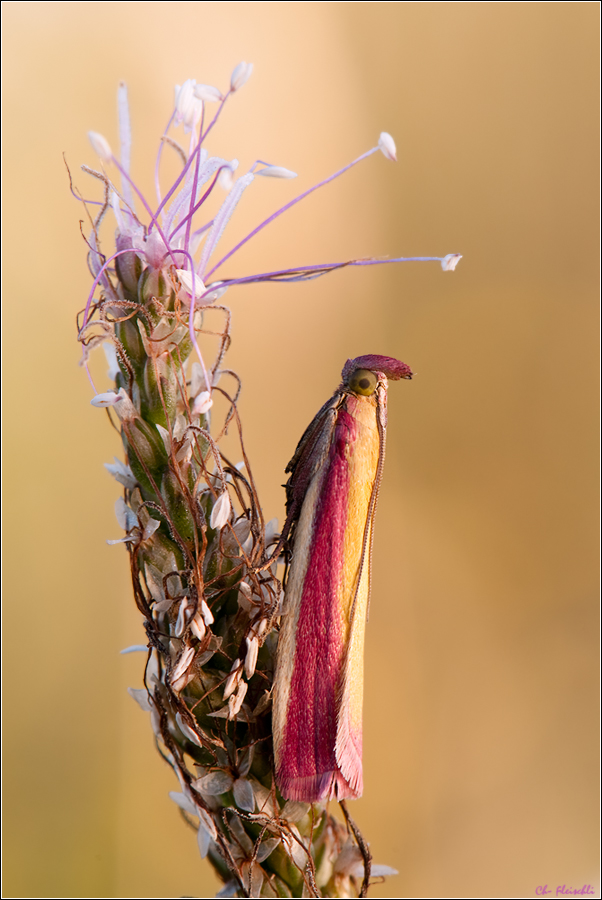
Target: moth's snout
(403,372)
(395,370)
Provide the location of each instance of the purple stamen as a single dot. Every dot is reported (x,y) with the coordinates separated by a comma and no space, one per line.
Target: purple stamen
(192,208)
(202,122)
(222,218)
(215,118)
(185,169)
(288,206)
(86,367)
(308,273)
(259,162)
(145,204)
(188,218)
(208,168)
(158,161)
(175,185)
(379,262)
(84,201)
(203,228)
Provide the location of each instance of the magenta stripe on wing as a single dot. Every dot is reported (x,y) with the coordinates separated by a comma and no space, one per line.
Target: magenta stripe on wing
(308,760)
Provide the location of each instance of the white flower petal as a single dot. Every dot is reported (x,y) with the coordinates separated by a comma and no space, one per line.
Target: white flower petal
(245,761)
(163,605)
(221,511)
(197,626)
(185,278)
(243,795)
(449,262)
(203,840)
(294,810)
(187,731)
(100,145)
(111,357)
(183,802)
(350,860)
(264,702)
(124,515)
(235,701)
(267,847)
(261,627)
(386,145)
(382,871)
(207,822)
(222,713)
(233,678)
(202,404)
(182,666)
(140,695)
(121,473)
(134,648)
(154,581)
(214,784)
(109,398)
(181,620)
(188,107)
(150,528)
(276,172)
(124,407)
(240,75)
(206,613)
(208,93)
(178,684)
(197,379)
(251,656)
(121,512)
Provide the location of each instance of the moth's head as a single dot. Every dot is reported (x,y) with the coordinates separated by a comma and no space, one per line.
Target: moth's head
(361,375)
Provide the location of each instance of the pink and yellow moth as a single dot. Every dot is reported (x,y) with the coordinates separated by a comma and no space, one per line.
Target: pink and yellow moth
(331,501)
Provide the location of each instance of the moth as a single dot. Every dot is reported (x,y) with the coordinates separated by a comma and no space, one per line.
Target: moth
(331,496)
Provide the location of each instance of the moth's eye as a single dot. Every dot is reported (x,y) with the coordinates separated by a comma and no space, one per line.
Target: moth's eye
(363,381)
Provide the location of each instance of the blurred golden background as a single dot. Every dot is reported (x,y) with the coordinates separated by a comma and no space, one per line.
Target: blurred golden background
(480,706)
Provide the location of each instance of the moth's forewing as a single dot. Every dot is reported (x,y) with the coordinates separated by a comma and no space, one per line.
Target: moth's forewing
(318,685)
(310,454)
